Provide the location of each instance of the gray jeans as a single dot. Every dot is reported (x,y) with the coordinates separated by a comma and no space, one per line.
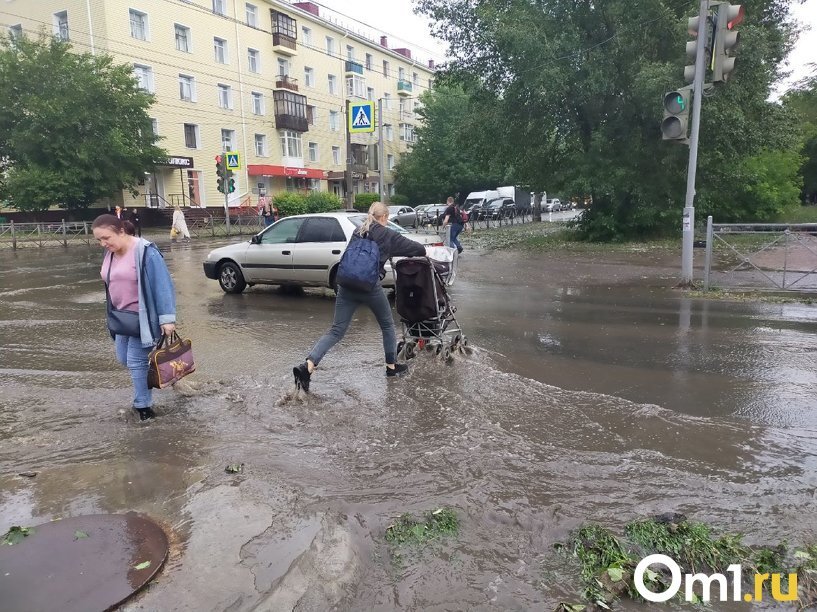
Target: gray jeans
(346,304)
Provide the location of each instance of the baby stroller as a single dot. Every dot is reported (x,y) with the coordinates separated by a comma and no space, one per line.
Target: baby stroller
(425,309)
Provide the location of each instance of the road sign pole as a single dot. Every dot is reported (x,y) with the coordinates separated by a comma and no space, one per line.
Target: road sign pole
(688,227)
(350,198)
(384,197)
(226,195)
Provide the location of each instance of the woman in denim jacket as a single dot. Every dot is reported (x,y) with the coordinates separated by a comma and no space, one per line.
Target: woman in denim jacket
(137,281)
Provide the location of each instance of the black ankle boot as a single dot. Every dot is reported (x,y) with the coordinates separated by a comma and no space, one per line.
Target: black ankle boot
(145,413)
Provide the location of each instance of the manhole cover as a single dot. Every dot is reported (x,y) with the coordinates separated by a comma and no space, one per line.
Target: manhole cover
(84,564)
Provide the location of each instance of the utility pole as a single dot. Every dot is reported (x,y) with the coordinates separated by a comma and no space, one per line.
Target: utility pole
(350,196)
(380,153)
(689,202)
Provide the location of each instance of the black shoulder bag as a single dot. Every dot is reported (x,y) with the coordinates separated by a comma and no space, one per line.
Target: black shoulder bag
(120,322)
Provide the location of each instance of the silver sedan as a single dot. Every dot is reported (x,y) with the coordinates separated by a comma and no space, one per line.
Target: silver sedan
(404,216)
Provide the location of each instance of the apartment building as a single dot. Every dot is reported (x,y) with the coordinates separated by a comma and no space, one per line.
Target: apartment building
(269,79)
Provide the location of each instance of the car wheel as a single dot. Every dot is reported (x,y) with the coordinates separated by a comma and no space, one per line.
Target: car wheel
(230,278)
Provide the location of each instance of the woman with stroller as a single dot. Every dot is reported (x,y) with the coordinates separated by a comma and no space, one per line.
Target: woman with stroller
(180,224)
(390,244)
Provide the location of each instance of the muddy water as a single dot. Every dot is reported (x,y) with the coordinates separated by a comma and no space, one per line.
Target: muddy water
(594,393)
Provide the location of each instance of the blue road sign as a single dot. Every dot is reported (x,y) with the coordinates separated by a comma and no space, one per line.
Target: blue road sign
(233,160)
(361,117)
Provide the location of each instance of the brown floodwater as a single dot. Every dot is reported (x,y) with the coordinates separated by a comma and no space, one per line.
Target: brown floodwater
(595,392)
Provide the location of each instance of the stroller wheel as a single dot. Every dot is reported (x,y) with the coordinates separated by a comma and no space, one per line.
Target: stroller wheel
(438,349)
(409,351)
(464,341)
(446,354)
(400,346)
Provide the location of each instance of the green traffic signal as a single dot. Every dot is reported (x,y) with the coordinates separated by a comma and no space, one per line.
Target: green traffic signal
(231,186)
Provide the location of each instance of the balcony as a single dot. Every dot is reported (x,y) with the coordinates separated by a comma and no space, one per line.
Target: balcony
(284,44)
(404,88)
(290,111)
(354,68)
(360,158)
(284,81)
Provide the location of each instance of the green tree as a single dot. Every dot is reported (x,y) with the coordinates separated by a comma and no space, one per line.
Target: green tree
(578,87)
(802,100)
(74,128)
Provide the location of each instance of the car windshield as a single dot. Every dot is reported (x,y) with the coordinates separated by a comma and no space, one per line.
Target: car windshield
(358,221)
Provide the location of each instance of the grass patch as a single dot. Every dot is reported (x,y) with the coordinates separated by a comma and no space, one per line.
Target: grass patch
(407,530)
(607,562)
(720,293)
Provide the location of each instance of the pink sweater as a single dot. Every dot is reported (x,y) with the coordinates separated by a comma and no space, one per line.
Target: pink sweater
(124,289)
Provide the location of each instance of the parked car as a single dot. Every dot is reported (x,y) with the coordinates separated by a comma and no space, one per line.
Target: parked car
(476,210)
(500,209)
(404,216)
(301,250)
(432,214)
(553,205)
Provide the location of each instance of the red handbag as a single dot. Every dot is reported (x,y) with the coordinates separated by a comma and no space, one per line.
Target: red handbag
(170,361)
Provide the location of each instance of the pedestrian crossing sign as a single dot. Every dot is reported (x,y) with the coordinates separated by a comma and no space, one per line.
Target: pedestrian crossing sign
(233,160)
(361,117)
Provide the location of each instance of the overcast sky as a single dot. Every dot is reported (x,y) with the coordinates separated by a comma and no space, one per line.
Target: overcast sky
(396,19)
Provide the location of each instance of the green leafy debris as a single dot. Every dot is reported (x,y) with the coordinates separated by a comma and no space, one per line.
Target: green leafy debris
(80,535)
(17,534)
(234,468)
(408,530)
(143,565)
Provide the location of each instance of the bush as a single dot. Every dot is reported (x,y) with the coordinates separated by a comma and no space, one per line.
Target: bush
(364,200)
(398,199)
(322,201)
(290,203)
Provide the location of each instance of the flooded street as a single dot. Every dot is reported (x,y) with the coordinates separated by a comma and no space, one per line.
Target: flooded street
(595,392)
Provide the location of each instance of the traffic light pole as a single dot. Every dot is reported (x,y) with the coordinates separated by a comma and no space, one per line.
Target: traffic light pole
(380,153)
(226,193)
(689,202)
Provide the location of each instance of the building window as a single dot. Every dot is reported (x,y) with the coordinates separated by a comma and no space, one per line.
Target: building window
(182,38)
(333,84)
(401,74)
(330,45)
(291,144)
(283,67)
(138,24)
(402,108)
(336,156)
(227,140)
(311,115)
(61,25)
(257,103)
(225,96)
(388,132)
(251,12)
(390,161)
(407,132)
(191,136)
(154,126)
(187,88)
(355,87)
(313,151)
(334,121)
(290,108)
(415,78)
(306,34)
(220,50)
(254,60)
(370,93)
(390,189)
(220,7)
(350,53)
(309,77)
(369,61)
(16,31)
(385,68)
(387,101)
(144,77)
(284,28)
(260,145)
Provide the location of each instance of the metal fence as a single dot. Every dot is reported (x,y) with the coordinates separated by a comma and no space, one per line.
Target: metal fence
(761,256)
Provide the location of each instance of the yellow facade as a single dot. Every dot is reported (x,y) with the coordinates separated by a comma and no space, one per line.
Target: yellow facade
(216,78)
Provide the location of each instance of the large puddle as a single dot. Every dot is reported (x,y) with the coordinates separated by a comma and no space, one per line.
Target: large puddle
(594,393)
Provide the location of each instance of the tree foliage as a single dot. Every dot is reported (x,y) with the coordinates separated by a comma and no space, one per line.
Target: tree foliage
(573,89)
(803,102)
(74,128)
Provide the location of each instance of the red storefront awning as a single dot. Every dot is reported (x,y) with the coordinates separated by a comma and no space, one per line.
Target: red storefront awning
(270,170)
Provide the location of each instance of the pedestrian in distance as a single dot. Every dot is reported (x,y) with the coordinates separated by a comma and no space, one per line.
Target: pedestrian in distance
(180,224)
(453,215)
(136,221)
(139,288)
(389,244)
(268,211)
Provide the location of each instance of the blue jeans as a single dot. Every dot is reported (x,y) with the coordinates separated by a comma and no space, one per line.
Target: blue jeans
(456,228)
(131,353)
(269,221)
(346,303)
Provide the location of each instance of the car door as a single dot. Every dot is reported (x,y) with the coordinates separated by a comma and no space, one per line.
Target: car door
(270,261)
(320,244)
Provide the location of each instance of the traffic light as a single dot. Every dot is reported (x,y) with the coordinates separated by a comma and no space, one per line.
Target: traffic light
(676,114)
(230,182)
(727,17)
(696,28)
(221,173)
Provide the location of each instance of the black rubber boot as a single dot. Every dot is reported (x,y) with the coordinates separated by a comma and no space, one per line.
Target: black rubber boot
(302,376)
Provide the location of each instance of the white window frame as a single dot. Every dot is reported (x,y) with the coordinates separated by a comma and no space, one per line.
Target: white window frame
(355,86)
(220,47)
(227,139)
(143,70)
(415,79)
(283,66)
(369,61)
(220,7)
(309,76)
(336,156)
(334,121)
(306,35)
(260,139)
(330,46)
(195,135)
(61,25)
(145,33)
(188,37)
(154,126)
(401,73)
(313,112)
(190,81)
(314,154)
(386,69)
(291,144)
(253,60)
(257,103)
(251,14)
(332,84)
(388,132)
(225,96)
(350,53)
(370,93)
(386,101)
(390,161)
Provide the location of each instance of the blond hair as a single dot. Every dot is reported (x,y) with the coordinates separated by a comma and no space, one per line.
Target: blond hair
(376,210)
